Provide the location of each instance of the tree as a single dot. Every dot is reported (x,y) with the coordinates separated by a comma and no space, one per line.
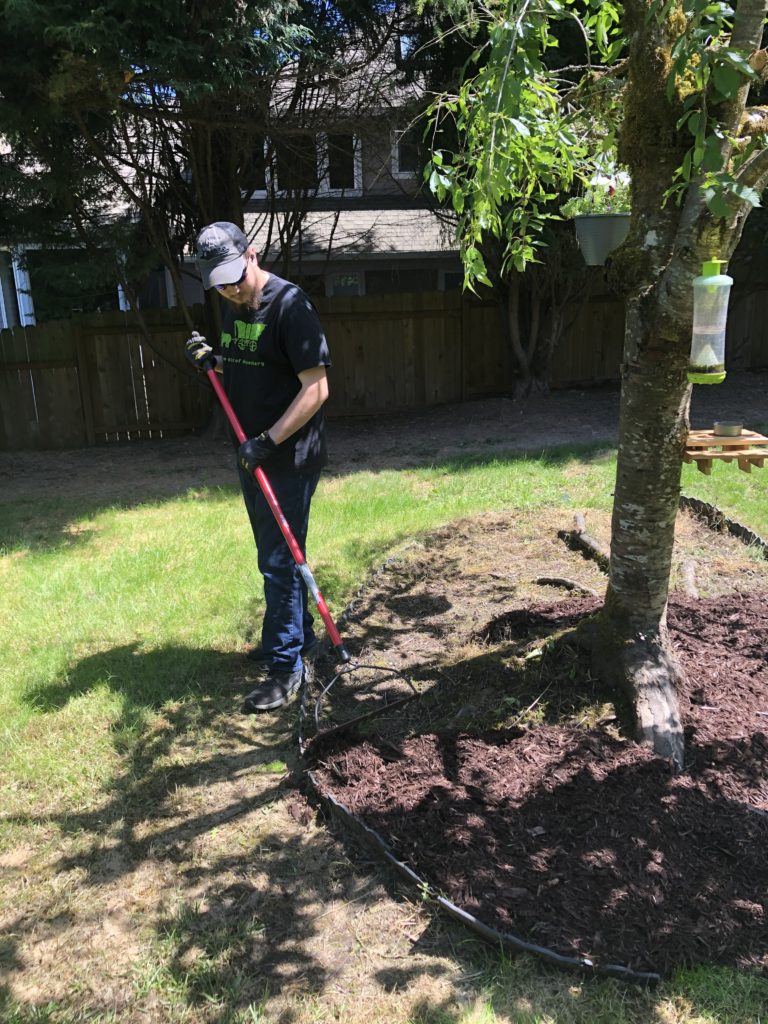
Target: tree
(134,124)
(664,86)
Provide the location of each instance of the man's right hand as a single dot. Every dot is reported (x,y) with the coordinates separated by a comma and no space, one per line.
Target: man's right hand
(200,353)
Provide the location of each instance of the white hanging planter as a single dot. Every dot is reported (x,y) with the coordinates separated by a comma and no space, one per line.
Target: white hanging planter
(598,234)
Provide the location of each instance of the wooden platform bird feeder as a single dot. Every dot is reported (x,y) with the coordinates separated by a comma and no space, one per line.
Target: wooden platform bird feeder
(705,446)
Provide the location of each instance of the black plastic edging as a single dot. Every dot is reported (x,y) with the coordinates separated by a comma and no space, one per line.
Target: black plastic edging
(373,841)
(716,519)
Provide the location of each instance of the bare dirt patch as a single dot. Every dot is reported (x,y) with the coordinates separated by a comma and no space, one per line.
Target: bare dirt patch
(509,785)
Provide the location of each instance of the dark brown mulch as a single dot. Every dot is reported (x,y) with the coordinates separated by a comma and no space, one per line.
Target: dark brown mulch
(583,842)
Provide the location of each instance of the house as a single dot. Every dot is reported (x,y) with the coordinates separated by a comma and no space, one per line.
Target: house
(335,200)
(349,214)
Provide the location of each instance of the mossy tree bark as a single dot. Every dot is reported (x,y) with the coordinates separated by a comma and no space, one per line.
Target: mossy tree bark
(654,269)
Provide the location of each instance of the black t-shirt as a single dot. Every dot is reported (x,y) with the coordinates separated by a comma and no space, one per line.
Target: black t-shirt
(264,350)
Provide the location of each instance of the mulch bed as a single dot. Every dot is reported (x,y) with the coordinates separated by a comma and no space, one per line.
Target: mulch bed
(581,841)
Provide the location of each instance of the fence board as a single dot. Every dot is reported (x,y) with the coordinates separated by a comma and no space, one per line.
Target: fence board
(591,350)
(18,413)
(747,339)
(484,351)
(759,350)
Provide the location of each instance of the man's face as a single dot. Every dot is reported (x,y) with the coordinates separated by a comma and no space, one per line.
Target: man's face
(244,291)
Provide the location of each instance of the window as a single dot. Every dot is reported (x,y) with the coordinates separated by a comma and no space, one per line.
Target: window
(296,162)
(452,281)
(256,174)
(341,162)
(322,165)
(408,157)
(345,284)
(400,279)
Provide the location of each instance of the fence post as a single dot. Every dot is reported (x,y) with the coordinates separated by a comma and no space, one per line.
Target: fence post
(84,382)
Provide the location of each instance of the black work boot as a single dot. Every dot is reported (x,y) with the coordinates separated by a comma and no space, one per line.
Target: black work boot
(275,691)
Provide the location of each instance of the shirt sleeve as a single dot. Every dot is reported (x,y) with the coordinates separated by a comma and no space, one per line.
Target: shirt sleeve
(303,336)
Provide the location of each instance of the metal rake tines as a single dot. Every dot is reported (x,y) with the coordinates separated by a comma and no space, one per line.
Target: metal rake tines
(380,675)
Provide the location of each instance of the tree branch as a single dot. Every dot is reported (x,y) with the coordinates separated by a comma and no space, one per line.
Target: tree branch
(754,172)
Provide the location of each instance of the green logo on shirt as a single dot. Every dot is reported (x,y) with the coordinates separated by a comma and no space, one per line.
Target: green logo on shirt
(247,335)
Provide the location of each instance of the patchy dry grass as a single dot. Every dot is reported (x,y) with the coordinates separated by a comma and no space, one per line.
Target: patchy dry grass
(158,860)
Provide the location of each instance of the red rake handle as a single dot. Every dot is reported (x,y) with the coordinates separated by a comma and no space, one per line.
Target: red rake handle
(282,522)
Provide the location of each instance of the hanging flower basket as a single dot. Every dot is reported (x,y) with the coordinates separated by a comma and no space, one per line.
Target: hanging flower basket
(598,234)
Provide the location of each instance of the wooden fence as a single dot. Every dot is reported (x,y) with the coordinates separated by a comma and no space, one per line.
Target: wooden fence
(94,380)
(81,382)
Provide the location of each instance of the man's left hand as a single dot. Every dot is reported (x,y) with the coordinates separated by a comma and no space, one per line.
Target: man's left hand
(255,450)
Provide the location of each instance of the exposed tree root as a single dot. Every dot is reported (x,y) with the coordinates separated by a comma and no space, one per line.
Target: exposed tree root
(579,540)
(561,581)
(646,675)
(651,676)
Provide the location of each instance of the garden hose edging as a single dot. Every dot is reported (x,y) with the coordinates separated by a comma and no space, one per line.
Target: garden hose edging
(374,842)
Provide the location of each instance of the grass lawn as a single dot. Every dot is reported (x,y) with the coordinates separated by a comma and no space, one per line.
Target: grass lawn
(121,630)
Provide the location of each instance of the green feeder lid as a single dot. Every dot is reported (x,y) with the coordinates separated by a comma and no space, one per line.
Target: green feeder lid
(712,268)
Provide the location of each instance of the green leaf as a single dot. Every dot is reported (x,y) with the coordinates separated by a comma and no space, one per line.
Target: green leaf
(727,80)
(717,205)
(749,195)
(713,157)
(615,50)
(740,63)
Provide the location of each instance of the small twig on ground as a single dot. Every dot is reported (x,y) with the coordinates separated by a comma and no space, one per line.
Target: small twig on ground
(530,707)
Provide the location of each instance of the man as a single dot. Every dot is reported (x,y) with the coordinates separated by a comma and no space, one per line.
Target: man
(273,357)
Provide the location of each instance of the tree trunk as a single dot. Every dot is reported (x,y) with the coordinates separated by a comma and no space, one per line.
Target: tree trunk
(654,269)
(632,643)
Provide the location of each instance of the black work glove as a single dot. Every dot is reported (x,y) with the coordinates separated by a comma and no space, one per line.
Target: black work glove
(200,353)
(255,450)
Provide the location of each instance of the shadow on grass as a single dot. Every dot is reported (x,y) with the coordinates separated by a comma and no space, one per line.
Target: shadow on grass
(50,524)
(144,679)
(198,840)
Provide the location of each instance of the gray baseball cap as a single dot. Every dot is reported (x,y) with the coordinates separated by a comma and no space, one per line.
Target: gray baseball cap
(220,251)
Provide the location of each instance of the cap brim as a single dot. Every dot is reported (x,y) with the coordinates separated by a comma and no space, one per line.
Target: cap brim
(223,273)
